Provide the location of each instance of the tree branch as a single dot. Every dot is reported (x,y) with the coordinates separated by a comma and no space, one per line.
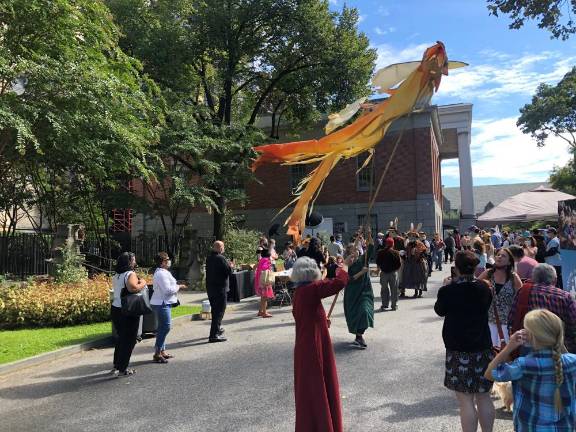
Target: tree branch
(273,84)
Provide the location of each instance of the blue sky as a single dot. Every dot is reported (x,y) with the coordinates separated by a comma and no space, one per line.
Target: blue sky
(505,68)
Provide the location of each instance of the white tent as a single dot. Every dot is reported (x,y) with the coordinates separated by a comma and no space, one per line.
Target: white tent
(538,204)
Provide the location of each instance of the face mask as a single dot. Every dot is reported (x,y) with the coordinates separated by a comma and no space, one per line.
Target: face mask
(168,264)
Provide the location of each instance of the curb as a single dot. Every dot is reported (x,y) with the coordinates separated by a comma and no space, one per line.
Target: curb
(39,359)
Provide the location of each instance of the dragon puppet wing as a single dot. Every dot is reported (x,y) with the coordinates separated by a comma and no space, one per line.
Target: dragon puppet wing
(414,89)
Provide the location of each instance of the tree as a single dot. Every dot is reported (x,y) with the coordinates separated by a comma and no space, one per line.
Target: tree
(564,178)
(82,115)
(550,14)
(243,58)
(552,112)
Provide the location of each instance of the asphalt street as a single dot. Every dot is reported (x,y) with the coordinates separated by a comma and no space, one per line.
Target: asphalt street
(246,384)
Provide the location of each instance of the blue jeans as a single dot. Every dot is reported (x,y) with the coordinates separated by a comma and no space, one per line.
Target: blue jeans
(164,318)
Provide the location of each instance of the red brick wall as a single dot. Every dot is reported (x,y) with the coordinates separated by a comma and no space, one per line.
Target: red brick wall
(414,170)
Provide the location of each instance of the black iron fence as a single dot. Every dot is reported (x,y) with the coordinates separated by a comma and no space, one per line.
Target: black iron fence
(26,254)
(23,255)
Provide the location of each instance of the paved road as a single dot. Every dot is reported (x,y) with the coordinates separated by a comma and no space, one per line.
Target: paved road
(245,384)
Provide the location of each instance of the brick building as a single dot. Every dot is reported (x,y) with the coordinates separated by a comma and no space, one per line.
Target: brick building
(412,190)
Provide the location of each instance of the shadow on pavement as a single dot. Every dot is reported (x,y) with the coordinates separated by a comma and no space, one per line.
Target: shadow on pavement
(432,407)
(52,388)
(503,415)
(270,326)
(188,343)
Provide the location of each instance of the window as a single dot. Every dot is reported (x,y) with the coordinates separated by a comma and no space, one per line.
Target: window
(373,222)
(363,176)
(339,228)
(297,173)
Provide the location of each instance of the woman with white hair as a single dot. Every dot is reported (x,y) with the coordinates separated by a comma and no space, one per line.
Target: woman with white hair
(316,387)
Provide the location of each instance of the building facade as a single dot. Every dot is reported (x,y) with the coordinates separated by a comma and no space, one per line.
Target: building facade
(411,190)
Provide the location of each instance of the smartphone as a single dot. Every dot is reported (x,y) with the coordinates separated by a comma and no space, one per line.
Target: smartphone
(453,273)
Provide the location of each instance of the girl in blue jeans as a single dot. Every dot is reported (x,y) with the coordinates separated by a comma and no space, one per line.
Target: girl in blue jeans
(162,301)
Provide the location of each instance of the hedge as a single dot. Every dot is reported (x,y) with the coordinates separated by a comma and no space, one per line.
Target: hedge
(51,304)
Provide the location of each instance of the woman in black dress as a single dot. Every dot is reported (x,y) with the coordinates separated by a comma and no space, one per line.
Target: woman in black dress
(464,304)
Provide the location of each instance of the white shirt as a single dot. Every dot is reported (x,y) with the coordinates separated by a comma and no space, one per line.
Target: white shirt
(165,288)
(118,282)
(335,249)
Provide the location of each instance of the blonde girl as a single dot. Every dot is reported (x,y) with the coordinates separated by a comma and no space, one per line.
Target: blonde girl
(544,380)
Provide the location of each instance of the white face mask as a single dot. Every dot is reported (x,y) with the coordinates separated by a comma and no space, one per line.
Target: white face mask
(168,264)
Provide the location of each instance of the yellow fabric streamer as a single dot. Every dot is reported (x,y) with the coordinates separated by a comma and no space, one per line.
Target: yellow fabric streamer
(417,86)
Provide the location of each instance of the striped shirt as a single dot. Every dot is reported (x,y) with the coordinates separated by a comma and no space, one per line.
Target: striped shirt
(534,385)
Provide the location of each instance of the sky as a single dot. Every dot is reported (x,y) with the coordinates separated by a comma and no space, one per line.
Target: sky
(505,67)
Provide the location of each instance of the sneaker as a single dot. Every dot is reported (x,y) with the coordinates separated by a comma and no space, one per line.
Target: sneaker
(217,339)
(220,332)
(383,308)
(395,307)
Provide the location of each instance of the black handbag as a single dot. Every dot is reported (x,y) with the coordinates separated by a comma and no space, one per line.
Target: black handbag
(135,304)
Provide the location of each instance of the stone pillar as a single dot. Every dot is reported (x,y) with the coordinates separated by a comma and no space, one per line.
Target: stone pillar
(467,211)
(67,236)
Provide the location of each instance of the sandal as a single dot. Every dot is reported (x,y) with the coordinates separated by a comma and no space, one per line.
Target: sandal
(157,358)
(166,355)
(266,315)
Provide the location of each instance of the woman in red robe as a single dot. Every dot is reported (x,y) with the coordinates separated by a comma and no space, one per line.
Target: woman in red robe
(316,388)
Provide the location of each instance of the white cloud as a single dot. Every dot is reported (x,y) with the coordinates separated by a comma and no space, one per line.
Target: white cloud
(383,11)
(361,18)
(502,152)
(388,55)
(502,75)
(334,2)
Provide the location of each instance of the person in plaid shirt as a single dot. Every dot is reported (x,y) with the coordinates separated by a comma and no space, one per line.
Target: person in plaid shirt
(544,381)
(545,295)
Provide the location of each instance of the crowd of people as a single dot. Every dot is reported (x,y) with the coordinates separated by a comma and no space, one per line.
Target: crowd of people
(506,317)
(508,320)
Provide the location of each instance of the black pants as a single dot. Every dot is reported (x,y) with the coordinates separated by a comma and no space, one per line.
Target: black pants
(559,282)
(218,306)
(448,255)
(127,331)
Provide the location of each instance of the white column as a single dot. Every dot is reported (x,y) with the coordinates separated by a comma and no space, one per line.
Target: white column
(466,188)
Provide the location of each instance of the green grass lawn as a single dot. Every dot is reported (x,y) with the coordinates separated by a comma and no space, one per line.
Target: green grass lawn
(20,344)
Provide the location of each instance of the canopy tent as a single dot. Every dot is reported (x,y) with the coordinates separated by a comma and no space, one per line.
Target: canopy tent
(538,204)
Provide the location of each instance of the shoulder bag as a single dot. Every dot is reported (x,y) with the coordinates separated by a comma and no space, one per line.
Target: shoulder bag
(497,349)
(135,304)
(267,278)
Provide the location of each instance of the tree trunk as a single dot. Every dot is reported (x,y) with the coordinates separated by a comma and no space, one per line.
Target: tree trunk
(219,218)
(228,102)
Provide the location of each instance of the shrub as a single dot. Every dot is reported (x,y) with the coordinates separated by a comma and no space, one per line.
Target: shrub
(55,304)
(71,269)
(241,245)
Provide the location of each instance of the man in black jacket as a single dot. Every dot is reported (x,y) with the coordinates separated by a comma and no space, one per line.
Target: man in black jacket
(388,261)
(218,270)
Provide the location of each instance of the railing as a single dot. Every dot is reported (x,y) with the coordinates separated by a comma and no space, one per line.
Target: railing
(25,254)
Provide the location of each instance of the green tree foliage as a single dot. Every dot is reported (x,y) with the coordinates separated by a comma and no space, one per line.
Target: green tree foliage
(226,62)
(564,178)
(552,112)
(83,116)
(552,15)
